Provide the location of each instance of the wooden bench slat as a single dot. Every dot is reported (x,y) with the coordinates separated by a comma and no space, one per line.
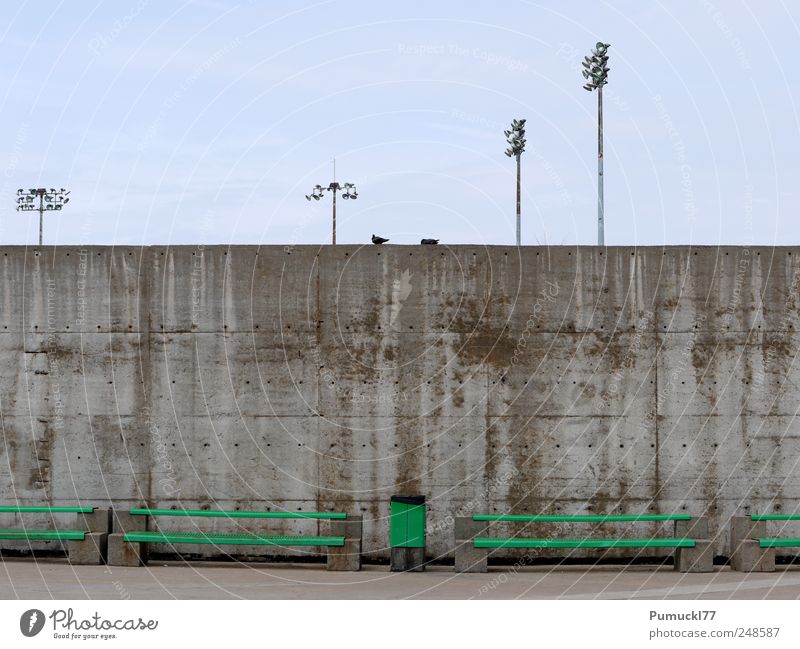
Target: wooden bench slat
(581,518)
(42,535)
(231,539)
(779,543)
(775,517)
(582,543)
(11,509)
(217,513)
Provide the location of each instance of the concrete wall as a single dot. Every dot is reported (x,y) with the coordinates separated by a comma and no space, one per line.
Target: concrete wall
(490,379)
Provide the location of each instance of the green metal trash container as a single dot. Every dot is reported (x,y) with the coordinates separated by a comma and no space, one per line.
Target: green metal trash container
(407,532)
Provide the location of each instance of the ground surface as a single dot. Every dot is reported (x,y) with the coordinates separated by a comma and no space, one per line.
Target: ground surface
(45,579)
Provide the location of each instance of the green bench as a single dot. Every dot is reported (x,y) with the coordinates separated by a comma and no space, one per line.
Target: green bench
(128,545)
(690,540)
(86,539)
(751,548)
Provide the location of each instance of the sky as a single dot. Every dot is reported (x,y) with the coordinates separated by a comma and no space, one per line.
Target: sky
(207,121)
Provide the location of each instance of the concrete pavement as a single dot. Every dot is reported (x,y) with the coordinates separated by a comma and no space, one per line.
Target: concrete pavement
(56,579)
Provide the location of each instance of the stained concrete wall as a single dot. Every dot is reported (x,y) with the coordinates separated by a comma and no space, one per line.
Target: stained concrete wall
(490,379)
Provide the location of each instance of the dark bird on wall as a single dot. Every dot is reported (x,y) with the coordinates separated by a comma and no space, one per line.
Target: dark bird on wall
(378,240)
(429,242)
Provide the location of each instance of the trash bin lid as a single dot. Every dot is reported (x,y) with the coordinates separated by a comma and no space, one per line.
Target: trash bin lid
(409,500)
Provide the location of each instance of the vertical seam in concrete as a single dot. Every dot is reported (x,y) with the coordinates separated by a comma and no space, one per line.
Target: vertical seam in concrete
(657,486)
(318,334)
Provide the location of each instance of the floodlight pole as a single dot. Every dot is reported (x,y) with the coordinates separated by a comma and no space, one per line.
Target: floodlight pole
(519,199)
(595,71)
(56,199)
(349,190)
(515,136)
(600,199)
(334,189)
(41,217)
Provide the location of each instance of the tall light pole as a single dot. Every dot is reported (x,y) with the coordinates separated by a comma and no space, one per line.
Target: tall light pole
(515,137)
(49,200)
(596,73)
(348,191)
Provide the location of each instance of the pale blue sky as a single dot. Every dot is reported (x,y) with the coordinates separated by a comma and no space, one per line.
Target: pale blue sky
(183,122)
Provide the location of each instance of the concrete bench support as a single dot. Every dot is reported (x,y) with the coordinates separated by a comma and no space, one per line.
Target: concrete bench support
(745,553)
(92,551)
(699,558)
(348,556)
(697,528)
(468,558)
(120,552)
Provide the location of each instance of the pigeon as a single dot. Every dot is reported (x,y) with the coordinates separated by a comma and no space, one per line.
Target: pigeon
(378,240)
(429,242)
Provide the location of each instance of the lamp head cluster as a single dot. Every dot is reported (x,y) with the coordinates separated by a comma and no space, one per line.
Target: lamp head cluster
(316,193)
(48,199)
(515,137)
(596,67)
(348,191)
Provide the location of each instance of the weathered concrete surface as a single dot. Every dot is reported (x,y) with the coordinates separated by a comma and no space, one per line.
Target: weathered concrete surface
(490,379)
